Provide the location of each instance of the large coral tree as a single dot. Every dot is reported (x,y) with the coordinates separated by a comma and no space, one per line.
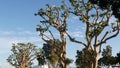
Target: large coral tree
(98,27)
(53,19)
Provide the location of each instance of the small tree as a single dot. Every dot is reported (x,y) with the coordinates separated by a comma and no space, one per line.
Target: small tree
(107,58)
(107,51)
(23,55)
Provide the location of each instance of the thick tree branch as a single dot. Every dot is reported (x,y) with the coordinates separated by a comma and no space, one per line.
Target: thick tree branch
(97,14)
(96,39)
(74,40)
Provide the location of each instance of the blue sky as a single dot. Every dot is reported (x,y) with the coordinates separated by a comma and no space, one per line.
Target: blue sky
(18,24)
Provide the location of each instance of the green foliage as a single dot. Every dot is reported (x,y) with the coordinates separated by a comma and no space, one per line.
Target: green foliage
(73,2)
(53,16)
(41,57)
(107,61)
(107,51)
(118,57)
(68,61)
(42,29)
(99,27)
(84,58)
(107,58)
(52,50)
(114,5)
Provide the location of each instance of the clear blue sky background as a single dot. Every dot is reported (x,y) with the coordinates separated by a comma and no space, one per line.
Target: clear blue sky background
(18,24)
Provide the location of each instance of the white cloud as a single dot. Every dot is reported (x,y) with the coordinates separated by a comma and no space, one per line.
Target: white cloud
(5,65)
(6,32)
(25,32)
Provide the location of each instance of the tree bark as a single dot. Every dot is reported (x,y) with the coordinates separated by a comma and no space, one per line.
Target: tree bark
(95,63)
(63,55)
(67,66)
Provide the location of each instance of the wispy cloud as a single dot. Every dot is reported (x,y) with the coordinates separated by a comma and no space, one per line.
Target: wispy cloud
(73,19)
(26,32)
(7,32)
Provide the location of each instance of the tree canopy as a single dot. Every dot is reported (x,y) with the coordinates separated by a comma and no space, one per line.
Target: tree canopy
(105,4)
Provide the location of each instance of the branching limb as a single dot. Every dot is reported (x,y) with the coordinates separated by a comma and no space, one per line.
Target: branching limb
(102,38)
(74,40)
(112,36)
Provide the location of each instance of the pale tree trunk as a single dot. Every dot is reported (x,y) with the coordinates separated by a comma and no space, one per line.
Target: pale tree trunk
(95,63)
(63,59)
(94,59)
(67,66)
(23,66)
(91,65)
(63,55)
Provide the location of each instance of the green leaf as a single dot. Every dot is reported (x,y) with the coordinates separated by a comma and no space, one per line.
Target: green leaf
(93,15)
(62,7)
(48,5)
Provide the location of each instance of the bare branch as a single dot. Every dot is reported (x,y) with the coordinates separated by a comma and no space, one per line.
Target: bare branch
(112,36)
(103,38)
(100,49)
(45,36)
(97,14)
(74,40)
(96,39)
(84,4)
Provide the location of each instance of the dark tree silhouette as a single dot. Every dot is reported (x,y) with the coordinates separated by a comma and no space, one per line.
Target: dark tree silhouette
(107,59)
(41,57)
(83,58)
(118,57)
(105,4)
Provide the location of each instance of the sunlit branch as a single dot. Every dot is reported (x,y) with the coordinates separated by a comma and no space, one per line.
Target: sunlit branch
(74,40)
